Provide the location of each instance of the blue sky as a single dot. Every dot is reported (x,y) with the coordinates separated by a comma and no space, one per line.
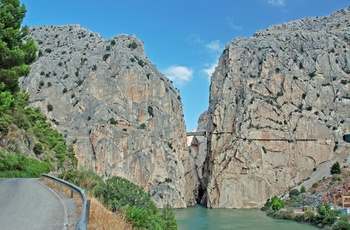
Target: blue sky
(184,38)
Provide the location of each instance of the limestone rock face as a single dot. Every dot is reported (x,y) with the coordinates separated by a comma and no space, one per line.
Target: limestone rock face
(279,105)
(121,114)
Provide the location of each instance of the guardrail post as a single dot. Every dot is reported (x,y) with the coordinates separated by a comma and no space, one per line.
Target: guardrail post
(71,193)
(87,217)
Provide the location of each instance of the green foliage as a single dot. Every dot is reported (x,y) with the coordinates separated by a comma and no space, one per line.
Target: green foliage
(335,169)
(19,165)
(132,45)
(85,178)
(168,215)
(105,57)
(120,194)
(6,98)
(274,204)
(150,111)
(113,121)
(302,189)
(16,53)
(294,192)
(341,225)
(49,107)
(325,216)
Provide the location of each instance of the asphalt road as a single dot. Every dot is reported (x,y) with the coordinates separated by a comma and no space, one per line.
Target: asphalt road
(28,204)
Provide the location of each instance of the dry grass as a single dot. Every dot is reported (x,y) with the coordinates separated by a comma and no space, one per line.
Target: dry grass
(103,219)
(100,217)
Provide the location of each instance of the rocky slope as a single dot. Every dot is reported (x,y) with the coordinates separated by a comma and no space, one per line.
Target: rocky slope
(121,114)
(279,105)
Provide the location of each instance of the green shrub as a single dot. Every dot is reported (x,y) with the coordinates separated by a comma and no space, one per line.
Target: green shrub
(84,178)
(294,192)
(335,169)
(299,217)
(132,45)
(150,111)
(168,215)
(49,107)
(309,216)
(19,165)
(38,148)
(105,57)
(302,189)
(120,194)
(143,126)
(274,204)
(341,225)
(113,121)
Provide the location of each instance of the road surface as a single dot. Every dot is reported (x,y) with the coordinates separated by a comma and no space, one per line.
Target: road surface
(28,204)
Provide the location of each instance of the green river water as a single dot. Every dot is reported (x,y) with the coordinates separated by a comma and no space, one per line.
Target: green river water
(199,218)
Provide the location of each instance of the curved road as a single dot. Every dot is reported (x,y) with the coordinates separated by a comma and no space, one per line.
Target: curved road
(28,204)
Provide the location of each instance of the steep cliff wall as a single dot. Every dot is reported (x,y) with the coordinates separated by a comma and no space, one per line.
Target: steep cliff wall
(279,105)
(121,114)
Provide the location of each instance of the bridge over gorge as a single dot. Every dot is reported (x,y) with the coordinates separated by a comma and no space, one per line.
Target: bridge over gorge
(204,133)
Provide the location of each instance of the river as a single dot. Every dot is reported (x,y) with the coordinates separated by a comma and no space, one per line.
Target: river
(200,218)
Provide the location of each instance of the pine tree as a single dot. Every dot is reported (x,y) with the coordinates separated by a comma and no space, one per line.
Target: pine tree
(16,52)
(335,169)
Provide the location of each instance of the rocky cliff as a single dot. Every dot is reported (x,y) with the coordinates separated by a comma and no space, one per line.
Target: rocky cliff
(279,105)
(121,114)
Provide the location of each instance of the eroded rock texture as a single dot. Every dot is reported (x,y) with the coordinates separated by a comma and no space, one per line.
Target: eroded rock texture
(279,105)
(122,115)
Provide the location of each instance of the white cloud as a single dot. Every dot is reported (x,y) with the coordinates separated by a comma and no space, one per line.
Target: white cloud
(231,23)
(194,39)
(179,74)
(214,46)
(210,69)
(277,2)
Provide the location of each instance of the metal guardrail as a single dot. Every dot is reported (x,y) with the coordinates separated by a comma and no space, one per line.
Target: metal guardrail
(85,211)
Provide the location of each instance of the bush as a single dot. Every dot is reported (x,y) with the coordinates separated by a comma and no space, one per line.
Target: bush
(274,204)
(299,217)
(294,192)
(309,216)
(19,165)
(120,194)
(132,45)
(341,225)
(85,178)
(150,111)
(302,189)
(335,169)
(49,107)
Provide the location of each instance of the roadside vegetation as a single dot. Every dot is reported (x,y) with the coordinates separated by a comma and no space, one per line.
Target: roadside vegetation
(300,207)
(124,198)
(19,165)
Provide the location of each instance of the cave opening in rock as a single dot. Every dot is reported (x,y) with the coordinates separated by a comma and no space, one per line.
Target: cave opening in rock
(200,194)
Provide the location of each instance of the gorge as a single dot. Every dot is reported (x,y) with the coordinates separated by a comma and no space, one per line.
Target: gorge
(278,107)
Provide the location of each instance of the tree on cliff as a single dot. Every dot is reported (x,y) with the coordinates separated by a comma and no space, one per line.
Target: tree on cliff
(16,53)
(335,169)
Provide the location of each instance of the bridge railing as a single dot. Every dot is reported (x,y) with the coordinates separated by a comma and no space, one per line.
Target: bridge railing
(85,211)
